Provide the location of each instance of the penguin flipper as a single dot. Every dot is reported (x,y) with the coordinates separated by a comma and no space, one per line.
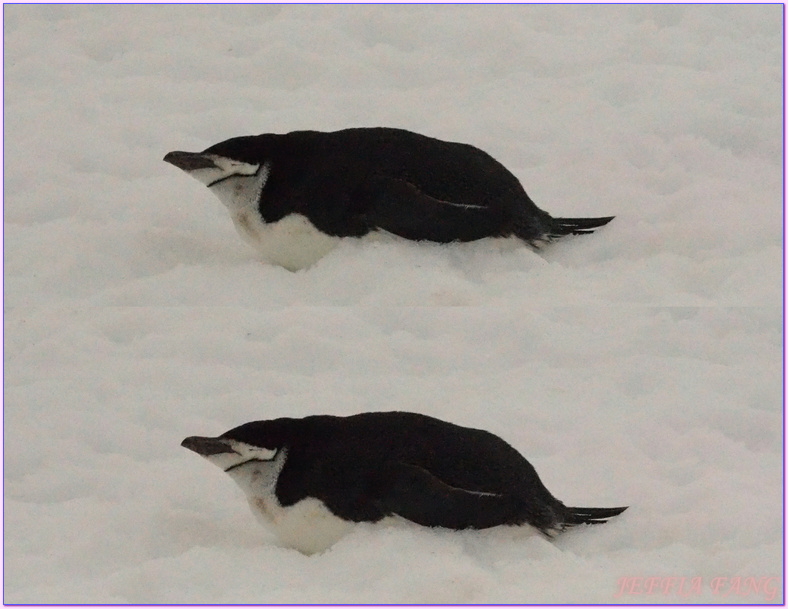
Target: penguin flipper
(400,207)
(417,495)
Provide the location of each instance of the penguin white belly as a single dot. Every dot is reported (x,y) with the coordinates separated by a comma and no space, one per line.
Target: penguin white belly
(293,242)
(308,526)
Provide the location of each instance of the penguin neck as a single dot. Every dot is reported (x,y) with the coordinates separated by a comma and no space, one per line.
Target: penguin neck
(243,194)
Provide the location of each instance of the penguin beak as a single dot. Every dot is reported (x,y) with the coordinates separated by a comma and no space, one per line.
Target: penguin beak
(189,161)
(207,447)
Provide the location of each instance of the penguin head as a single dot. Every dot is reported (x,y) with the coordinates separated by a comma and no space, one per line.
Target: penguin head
(252,454)
(233,170)
(228,453)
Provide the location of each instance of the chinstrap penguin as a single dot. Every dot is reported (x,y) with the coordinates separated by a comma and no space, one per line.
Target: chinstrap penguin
(309,480)
(293,196)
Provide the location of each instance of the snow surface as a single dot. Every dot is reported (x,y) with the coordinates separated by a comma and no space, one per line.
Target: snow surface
(640,366)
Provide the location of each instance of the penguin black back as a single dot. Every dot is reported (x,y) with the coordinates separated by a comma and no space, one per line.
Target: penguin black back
(467,458)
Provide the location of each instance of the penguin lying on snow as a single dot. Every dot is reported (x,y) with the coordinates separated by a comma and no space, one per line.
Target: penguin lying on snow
(310,479)
(294,195)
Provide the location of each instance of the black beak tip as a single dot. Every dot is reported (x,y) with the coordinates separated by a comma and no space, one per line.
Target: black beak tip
(173,157)
(191,443)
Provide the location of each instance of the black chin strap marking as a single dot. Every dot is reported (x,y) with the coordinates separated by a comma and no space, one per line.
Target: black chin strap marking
(232,467)
(235,175)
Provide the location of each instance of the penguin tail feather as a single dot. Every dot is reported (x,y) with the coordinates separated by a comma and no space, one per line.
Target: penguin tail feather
(560,227)
(581,515)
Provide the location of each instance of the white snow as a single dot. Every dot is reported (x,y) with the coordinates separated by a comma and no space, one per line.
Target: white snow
(639,366)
